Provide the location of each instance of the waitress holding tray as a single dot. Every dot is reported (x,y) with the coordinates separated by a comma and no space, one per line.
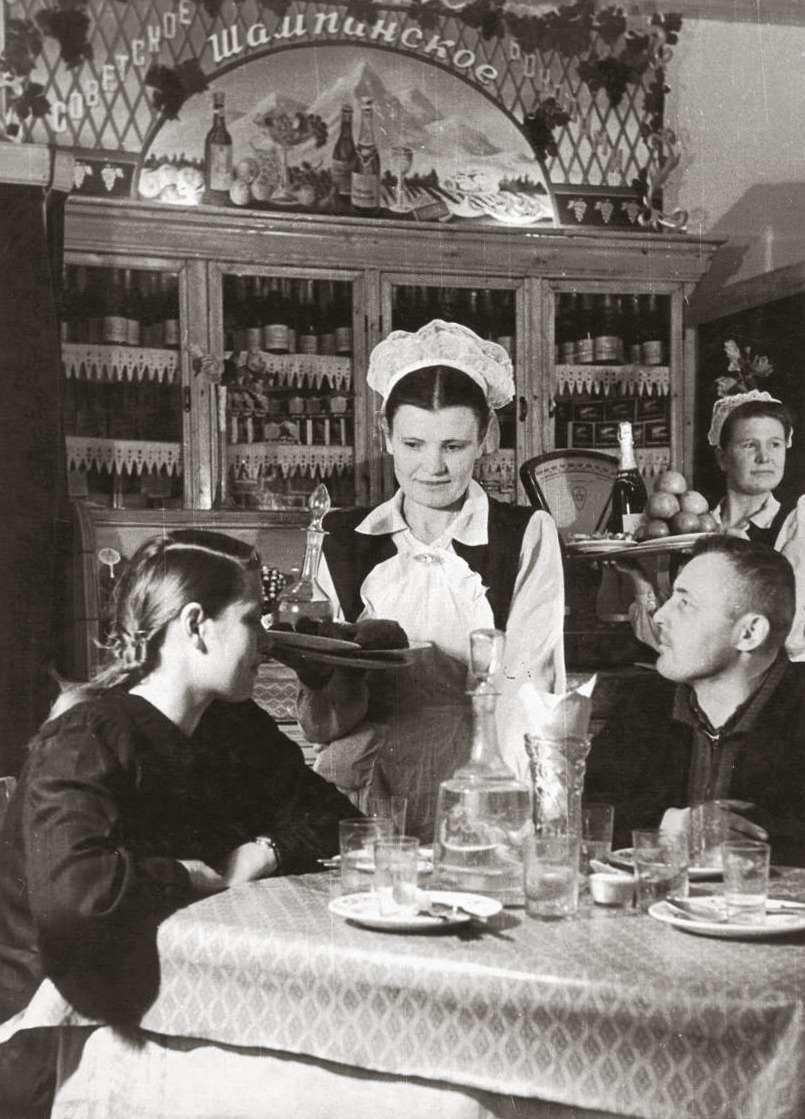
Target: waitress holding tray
(441,559)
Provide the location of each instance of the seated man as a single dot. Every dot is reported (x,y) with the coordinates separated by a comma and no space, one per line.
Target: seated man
(724,717)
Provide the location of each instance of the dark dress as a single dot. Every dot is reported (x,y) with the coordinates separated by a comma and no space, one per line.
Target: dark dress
(111,796)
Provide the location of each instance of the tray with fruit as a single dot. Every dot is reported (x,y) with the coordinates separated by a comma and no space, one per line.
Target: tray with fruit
(675,517)
(598,543)
(376,643)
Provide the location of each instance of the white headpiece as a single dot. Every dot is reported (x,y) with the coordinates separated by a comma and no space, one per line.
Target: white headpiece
(726,404)
(442,343)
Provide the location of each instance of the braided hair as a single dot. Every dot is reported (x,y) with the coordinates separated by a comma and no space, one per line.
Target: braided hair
(163,575)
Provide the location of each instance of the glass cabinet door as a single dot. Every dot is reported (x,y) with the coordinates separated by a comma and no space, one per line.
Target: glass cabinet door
(492,312)
(123,404)
(613,355)
(287,412)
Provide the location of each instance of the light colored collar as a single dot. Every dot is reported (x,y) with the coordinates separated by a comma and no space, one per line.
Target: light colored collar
(762,518)
(470,526)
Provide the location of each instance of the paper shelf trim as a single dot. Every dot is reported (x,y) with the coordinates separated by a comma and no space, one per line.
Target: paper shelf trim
(96,362)
(298,370)
(124,456)
(251,460)
(643,380)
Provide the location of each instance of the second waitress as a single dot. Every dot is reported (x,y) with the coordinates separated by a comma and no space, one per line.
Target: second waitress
(441,559)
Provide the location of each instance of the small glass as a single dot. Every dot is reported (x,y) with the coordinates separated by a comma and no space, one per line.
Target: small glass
(661,865)
(596,834)
(746,880)
(356,840)
(708,830)
(390,808)
(395,884)
(551,876)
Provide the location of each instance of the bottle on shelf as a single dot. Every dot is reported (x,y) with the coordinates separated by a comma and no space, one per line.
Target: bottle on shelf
(217,155)
(131,303)
(652,343)
(326,318)
(239,314)
(607,342)
(566,316)
(474,316)
(620,318)
(307,337)
(585,327)
(253,319)
(287,294)
(628,490)
(365,181)
(169,292)
(632,330)
(504,323)
(342,318)
(93,310)
(276,339)
(345,158)
(75,304)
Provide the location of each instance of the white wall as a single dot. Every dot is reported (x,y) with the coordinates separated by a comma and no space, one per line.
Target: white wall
(737,103)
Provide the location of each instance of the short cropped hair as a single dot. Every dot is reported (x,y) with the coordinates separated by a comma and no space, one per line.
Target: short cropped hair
(763,580)
(749,411)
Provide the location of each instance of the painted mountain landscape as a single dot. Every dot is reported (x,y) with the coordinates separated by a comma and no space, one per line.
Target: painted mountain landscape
(459,154)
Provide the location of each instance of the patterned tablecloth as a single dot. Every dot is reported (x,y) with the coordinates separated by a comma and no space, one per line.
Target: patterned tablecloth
(611,1011)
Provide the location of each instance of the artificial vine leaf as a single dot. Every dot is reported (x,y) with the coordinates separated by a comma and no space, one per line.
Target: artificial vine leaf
(539,125)
(173,87)
(69,25)
(23,45)
(610,25)
(671,25)
(486,16)
(362,11)
(31,102)
(609,74)
(278,7)
(425,14)
(212,7)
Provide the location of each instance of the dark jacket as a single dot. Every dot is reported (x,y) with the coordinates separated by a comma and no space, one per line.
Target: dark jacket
(111,796)
(641,761)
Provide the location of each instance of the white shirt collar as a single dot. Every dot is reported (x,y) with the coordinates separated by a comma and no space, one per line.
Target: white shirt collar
(761,518)
(470,526)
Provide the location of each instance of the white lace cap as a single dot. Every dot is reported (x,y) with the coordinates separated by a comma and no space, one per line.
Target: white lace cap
(442,343)
(726,404)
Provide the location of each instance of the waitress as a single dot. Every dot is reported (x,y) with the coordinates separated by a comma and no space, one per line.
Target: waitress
(441,559)
(751,433)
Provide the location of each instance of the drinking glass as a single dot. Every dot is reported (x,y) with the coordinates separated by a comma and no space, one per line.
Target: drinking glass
(356,840)
(708,830)
(661,865)
(395,884)
(746,880)
(551,876)
(596,833)
(389,808)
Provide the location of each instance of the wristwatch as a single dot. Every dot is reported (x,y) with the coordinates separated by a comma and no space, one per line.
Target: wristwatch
(269,844)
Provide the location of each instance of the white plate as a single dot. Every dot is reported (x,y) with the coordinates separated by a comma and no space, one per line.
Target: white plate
(777,924)
(362,909)
(623,858)
(598,547)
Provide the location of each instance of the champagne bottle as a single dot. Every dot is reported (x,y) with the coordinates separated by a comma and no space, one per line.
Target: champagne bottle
(606,344)
(253,331)
(342,316)
(632,330)
(345,157)
(327,319)
(290,312)
(217,155)
(652,347)
(628,490)
(504,326)
(365,181)
(132,306)
(585,346)
(307,338)
(275,323)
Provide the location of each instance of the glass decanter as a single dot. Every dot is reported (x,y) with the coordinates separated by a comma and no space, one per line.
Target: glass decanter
(305,598)
(483,812)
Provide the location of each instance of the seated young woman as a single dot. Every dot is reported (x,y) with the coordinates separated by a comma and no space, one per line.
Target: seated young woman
(441,559)
(157,783)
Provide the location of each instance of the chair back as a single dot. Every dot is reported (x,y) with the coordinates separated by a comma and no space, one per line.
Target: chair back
(575,487)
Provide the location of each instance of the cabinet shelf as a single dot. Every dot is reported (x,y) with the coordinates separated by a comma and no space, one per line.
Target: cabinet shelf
(639,379)
(251,459)
(299,370)
(90,361)
(123,456)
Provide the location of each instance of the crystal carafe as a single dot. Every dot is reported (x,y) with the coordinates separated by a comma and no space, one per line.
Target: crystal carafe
(483,812)
(305,598)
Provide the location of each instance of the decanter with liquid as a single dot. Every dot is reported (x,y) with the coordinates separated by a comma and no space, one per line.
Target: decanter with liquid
(305,598)
(483,812)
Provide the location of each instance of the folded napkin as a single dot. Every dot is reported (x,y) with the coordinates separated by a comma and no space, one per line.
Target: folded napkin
(561,716)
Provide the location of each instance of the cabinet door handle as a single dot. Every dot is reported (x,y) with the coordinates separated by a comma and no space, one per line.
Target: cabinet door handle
(186,398)
(522,410)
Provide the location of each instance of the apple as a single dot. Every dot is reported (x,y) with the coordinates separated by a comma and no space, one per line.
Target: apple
(693,502)
(671,481)
(656,528)
(662,505)
(683,523)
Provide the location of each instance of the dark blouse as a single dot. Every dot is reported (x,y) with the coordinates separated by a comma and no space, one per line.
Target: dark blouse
(111,796)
